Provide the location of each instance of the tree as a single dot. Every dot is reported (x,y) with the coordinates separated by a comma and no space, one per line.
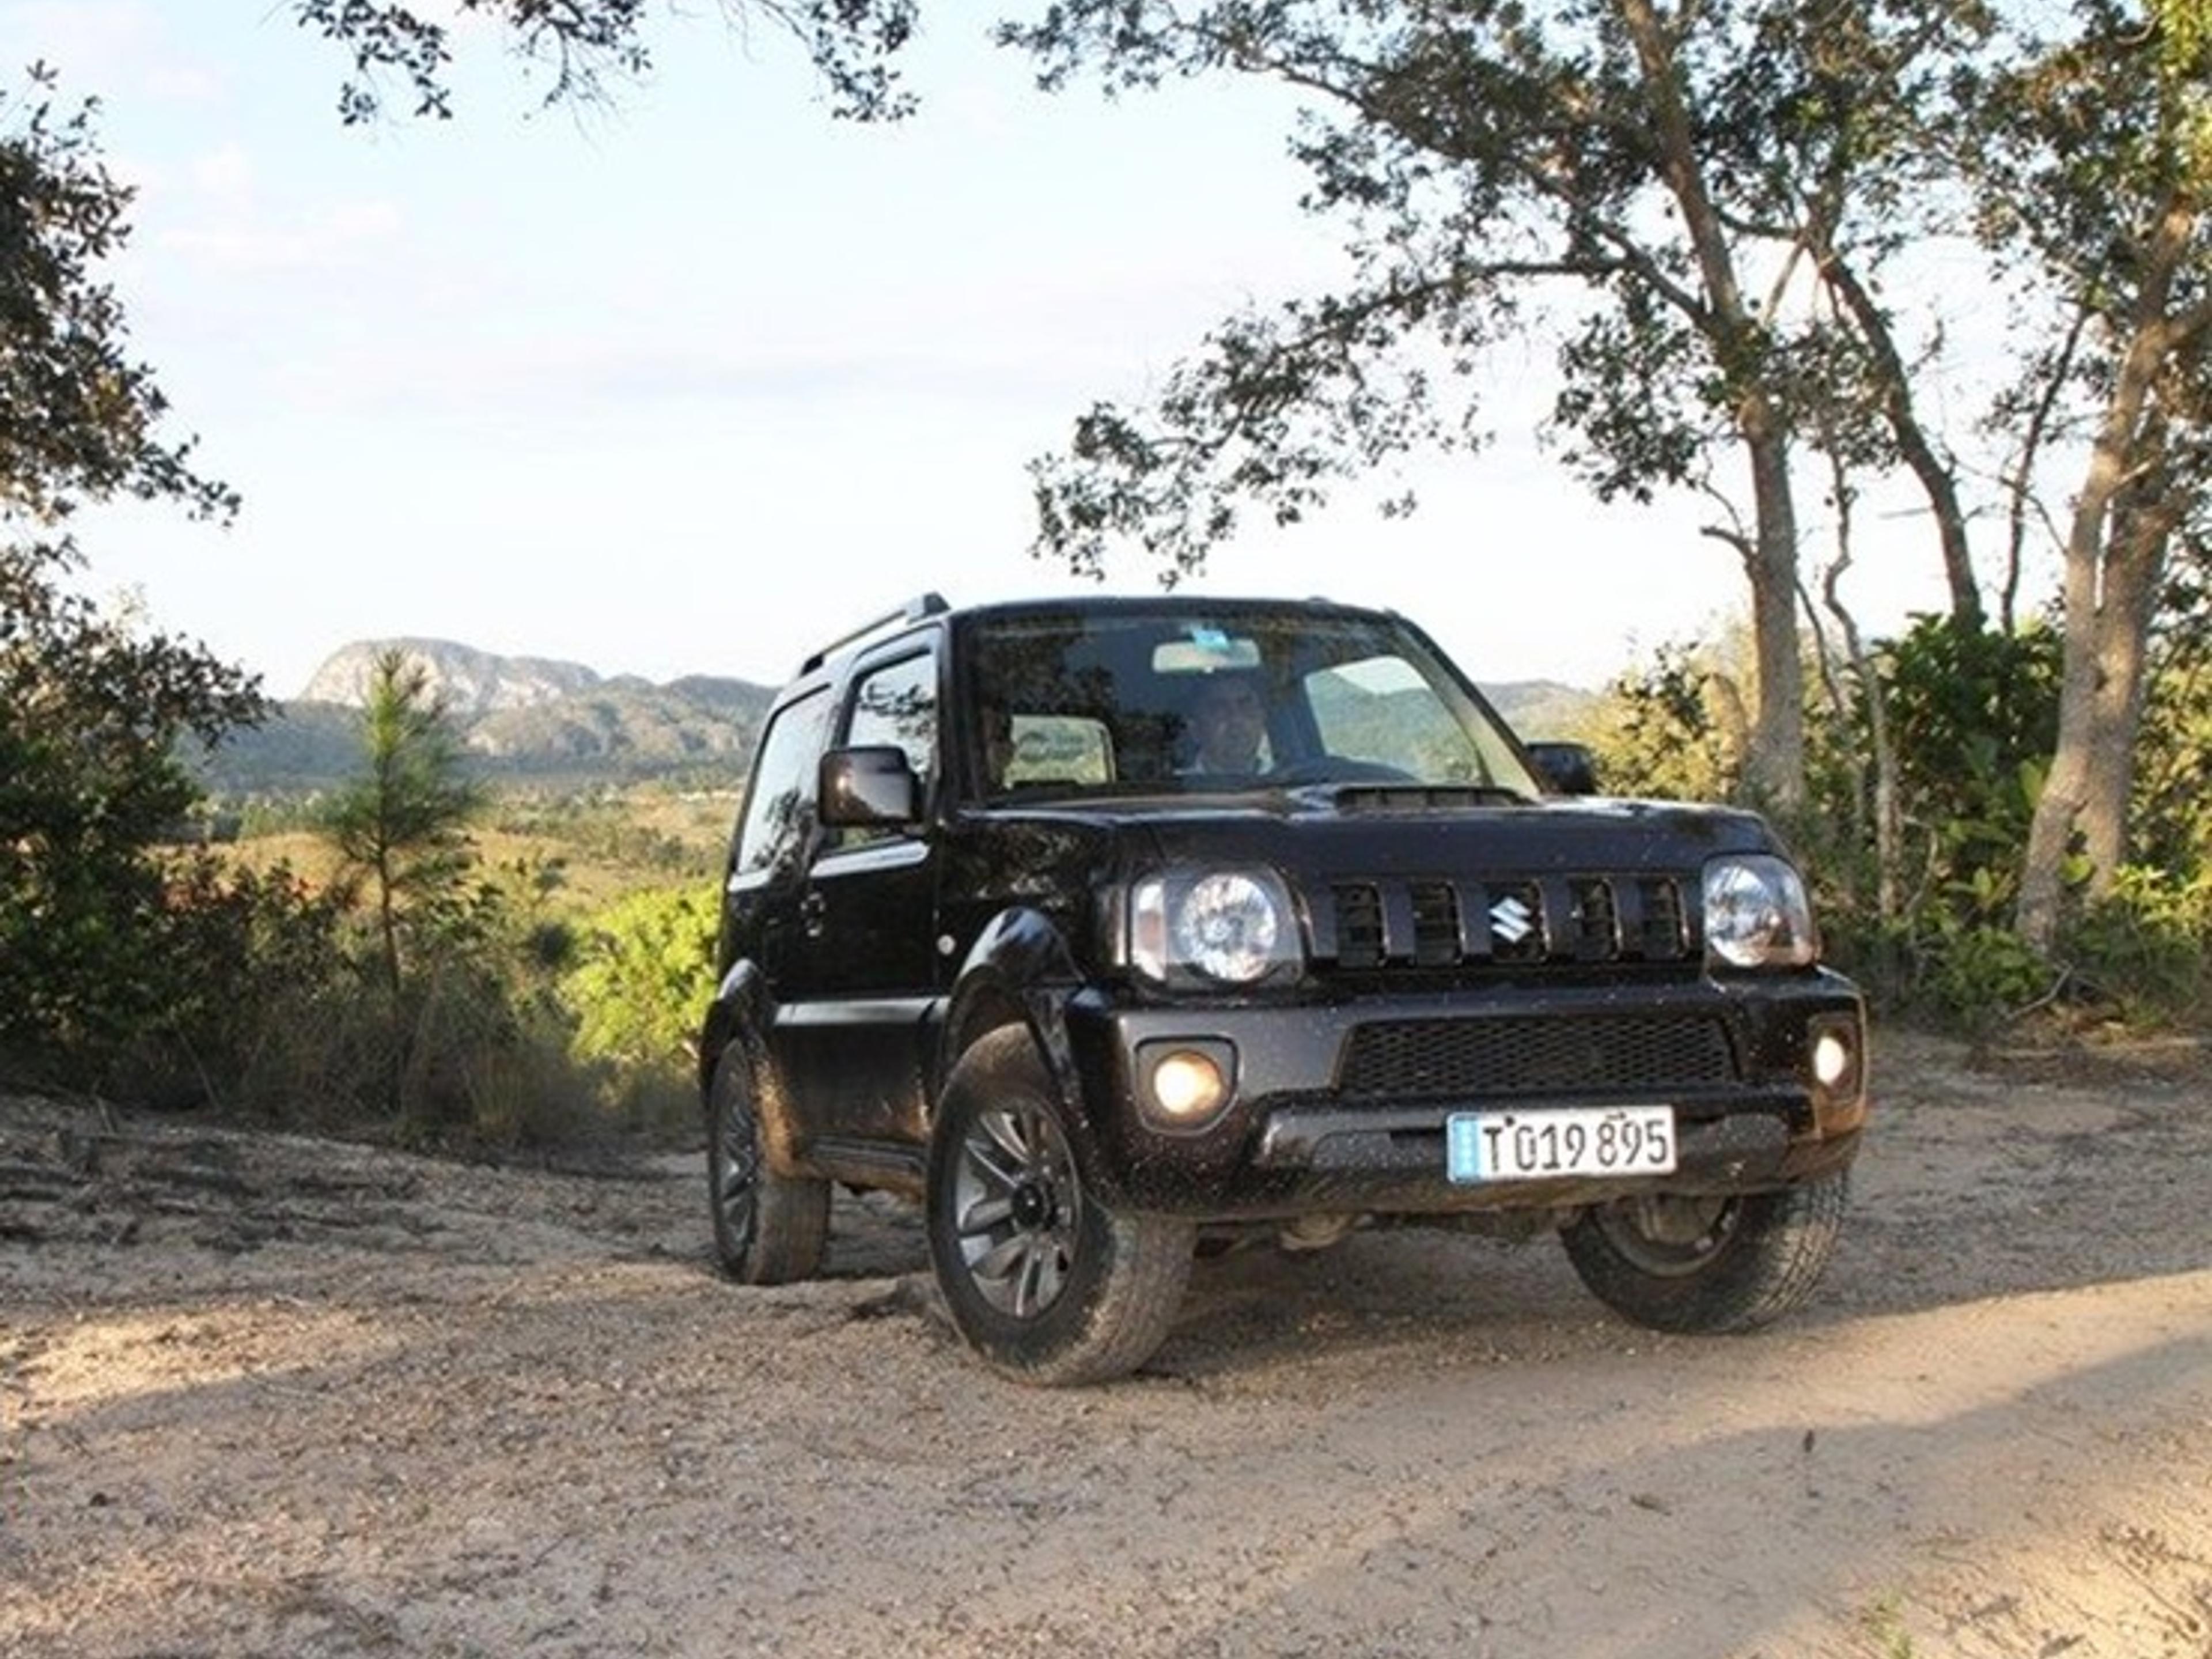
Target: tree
(1663,190)
(402,824)
(2095,178)
(853,46)
(92,712)
(77,415)
(93,707)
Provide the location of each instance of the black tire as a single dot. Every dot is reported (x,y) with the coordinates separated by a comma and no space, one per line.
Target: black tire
(1046,1284)
(1700,1265)
(768,1229)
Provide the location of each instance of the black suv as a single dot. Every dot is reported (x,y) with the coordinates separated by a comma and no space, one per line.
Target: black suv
(1107,926)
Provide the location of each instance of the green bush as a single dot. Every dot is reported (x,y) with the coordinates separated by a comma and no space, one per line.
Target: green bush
(2142,951)
(643,977)
(1671,728)
(91,714)
(1976,975)
(2170,814)
(255,987)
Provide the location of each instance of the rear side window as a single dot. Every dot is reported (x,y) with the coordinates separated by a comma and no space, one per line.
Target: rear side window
(897,704)
(780,803)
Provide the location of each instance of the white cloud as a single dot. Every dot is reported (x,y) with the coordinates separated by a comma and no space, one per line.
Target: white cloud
(82,37)
(322,240)
(226,173)
(118,48)
(184,83)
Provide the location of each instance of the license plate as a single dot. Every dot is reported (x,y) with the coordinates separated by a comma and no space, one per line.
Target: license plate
(1570,1140)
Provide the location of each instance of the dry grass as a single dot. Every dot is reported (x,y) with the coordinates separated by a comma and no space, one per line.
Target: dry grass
(589,878)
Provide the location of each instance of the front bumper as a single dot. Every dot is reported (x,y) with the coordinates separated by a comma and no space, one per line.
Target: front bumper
(1311,1126)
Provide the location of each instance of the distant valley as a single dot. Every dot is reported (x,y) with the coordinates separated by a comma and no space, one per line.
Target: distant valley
(539,723)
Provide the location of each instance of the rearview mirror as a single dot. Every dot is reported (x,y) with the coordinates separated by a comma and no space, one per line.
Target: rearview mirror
(1567,769)
(872,784)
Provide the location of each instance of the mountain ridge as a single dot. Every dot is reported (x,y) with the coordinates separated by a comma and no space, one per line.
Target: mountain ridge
(532,720)
(546,722)
(472,682)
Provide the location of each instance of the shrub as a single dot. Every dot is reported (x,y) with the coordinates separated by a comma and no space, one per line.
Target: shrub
(2143,949)
(256,989)
(1672,728)
(643,978)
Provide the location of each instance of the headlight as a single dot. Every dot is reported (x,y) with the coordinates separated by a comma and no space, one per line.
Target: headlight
(1232,927)
(1757,915)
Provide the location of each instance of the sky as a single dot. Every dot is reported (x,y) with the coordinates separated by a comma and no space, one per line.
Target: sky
(688,384)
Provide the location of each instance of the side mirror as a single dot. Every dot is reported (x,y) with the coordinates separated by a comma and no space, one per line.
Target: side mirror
(872,785)
(1569,768)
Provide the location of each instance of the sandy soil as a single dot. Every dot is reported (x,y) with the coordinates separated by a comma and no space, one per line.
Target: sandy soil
(285,1397)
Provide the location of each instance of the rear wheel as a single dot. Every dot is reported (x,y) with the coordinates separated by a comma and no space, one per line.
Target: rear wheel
(1675,1262)
(768,1228)
(1046,1283)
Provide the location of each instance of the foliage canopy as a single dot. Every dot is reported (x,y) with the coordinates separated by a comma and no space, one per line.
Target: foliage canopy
(583,44)
(93,707)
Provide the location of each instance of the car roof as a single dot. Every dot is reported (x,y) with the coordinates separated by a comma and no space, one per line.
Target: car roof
(826,662)
(1156,604)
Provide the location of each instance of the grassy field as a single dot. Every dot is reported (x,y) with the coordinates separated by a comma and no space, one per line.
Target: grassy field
(581,855)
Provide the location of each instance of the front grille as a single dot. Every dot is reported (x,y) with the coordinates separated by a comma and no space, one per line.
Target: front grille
(1439,922)
(1358,927)
(1595,930)
(1665,931)
(1406,1060)
(1435,924)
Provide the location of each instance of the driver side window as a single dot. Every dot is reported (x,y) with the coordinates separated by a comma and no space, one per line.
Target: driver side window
(780,804)
(896,705)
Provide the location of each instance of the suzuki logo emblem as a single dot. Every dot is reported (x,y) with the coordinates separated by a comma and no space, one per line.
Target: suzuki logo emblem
(1512,921)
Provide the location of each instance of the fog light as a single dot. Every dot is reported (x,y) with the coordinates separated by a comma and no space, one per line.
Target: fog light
(1832,1059)
(1836,1056)
(1188,1085)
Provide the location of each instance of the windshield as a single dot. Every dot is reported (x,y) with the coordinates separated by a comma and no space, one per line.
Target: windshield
(1122,701)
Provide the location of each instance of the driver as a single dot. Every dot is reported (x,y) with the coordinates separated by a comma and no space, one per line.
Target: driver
(1229,725)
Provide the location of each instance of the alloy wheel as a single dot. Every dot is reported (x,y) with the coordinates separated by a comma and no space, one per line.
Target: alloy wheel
(1017,1209)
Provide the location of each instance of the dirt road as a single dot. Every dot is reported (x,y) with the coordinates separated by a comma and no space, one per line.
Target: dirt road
(282,1397)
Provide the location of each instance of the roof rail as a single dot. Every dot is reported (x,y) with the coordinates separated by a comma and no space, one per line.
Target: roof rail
(925,605)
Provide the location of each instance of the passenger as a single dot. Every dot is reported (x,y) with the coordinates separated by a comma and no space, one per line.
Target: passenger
(1228,726)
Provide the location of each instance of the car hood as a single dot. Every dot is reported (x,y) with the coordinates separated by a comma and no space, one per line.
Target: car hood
(1322,834)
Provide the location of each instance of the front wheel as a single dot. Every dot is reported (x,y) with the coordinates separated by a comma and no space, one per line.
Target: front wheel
(1679,1263)
(768,1229)
(1046,1284)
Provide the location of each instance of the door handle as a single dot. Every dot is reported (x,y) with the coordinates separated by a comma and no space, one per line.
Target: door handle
(812,911)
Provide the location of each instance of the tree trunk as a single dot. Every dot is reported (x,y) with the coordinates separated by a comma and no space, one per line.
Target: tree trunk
(1887,824)
(2134,574)
(1934,475)
(2115,545)
(2110,598)
(2065,787)
(1776,764)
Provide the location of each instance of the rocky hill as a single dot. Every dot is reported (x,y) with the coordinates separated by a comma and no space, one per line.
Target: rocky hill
(471,683)
(521,719)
